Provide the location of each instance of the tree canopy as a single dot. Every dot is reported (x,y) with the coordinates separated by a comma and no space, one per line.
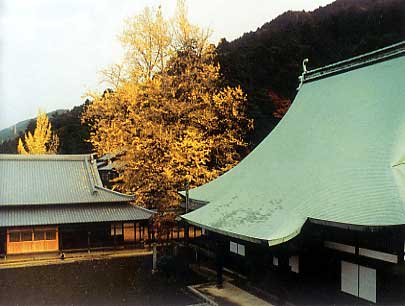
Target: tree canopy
(42,140)
(175,123)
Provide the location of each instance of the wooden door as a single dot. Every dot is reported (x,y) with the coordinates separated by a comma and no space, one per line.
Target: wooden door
(129,232)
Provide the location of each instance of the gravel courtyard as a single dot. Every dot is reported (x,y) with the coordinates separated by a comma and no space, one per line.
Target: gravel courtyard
(124,281)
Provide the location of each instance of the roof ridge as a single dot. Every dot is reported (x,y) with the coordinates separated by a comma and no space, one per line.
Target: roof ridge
(129,196)
(94,171)
(143,208)
(356,62)
(90,175)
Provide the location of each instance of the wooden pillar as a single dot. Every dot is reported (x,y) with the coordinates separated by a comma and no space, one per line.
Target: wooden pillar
(186,233)
(152,232)
(154,262)
(59,233)
(115,237)
(60,241)
(149,232)
(88,242)
(219,252)
(6,245)
(187,207)
(142,229)
(139,231)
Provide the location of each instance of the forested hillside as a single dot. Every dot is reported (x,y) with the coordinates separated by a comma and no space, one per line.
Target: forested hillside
(269,60)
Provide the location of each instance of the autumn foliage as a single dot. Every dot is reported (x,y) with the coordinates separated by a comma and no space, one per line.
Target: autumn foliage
(172,117)
(281,105)
(42,140)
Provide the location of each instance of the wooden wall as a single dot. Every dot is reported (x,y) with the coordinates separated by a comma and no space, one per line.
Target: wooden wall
(32,240)
(23,240)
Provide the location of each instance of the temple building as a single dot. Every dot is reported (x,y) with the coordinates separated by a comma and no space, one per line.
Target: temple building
(324,194)
(56,203)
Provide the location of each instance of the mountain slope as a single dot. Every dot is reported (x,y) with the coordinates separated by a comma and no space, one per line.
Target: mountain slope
(20,127)
(65,123)
(270,59)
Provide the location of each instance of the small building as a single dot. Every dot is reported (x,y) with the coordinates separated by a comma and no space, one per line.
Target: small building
(324,193)
(109,166)
(54,203)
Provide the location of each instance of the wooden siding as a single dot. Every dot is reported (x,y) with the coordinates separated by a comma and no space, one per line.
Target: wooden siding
(48,243)
(129,232)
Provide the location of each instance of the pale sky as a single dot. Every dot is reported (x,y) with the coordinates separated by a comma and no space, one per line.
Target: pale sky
(51,51)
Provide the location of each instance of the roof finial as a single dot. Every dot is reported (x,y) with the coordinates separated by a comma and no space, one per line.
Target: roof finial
(304,70)
(304,65)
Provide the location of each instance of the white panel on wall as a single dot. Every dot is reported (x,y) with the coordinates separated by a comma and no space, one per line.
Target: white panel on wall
(241,249)
(378,255)
(294,264)
(349,278)
(233,247)
(368,284)
(340,247)
(275,261)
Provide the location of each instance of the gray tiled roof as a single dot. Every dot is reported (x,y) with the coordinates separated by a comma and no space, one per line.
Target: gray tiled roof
(68,214)
(52,180)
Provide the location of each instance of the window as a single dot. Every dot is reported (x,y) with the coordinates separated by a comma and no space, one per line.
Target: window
(34,234)
(50,235)
(26,236)
(294,263)
(118,229)
(237,248)
(233,247)
(39,235)
(14,236)
(241,249)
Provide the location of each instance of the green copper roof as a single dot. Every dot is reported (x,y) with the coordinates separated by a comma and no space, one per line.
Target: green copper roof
(52,179)
(338,155)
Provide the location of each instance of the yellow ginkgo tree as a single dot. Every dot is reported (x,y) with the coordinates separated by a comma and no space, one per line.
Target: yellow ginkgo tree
(42,140)
(176,123)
